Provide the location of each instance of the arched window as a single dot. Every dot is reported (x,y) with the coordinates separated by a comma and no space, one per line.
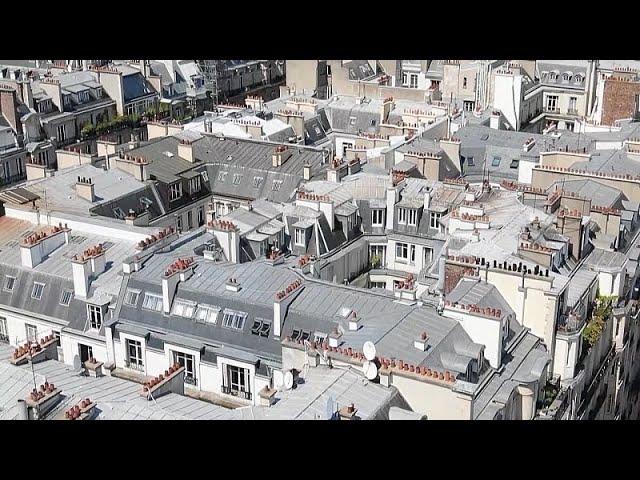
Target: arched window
(579,78)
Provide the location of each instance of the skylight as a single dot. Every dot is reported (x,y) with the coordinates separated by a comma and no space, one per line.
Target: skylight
(496,161)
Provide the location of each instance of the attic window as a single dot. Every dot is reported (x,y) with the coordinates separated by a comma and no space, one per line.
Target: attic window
(373,122)
(257,181)
(276,185)
(514,163)
(485,137)
(65,298)
(319,337)
(299,334)
(261,327)
(205,176)
(222,176)
(207,314)
(233,319)
(352,121)
(470,161)
(237,178)
(183,308)
(152,302)
(38,288)
(9,283)
(118,213)
(131,298)
(496,161)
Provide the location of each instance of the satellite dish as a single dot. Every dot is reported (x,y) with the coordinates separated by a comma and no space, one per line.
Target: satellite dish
(77,364)
(288,380)
(370,370)
(369,350)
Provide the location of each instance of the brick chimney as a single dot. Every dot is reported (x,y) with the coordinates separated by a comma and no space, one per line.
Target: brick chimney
(9,107)
(85,267)
(282,300)
(85,188)
(228,236)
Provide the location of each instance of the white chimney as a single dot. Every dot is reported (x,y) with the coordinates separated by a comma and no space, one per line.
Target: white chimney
(427,200)
(81,268)
(494,121)
(185,150)
(35,248)
(281,303)
(306,171)
(228,237)
(179,271)
(85,188)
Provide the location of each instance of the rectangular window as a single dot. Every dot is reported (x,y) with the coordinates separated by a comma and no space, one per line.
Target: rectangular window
(412,256)
(464,82)
(377,217)
(414,81)
(134,354)
(95,316)
(237,383)
(175,191)
(319,337)
(233,319)
(404,78)
(222,176)
(402,216)
(62,133)
(514,163)
(434,220)
(299,237)
(552,103)
(131,298)
(38,288)
(237,178)
(183,308)
(573,107)
(152,302)
(4,330)
(185,360)
(470,161)
(194,185)
(427,255)
(276,185)
(9,283)
(207,314)
(402,251)
(413,217)
(496,161)
(65,298)
(261,327)
(257,181)
(32,332)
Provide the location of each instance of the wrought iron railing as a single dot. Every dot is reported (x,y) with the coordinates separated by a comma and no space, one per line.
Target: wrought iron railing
(190,379)
(236,393)
(4,338)
(134,366)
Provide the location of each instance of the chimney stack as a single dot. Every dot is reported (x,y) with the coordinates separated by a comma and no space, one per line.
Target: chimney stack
(306,171)
(85,188)
(9,107)
(86,266)
(35,248)
(179,271)
(185,151)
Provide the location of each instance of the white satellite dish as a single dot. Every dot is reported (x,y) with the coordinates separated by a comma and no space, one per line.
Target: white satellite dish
(288,380)
(370,370)
(369,350)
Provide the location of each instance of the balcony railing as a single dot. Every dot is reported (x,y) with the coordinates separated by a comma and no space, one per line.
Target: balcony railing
(190,379)
(549,109)
(572,111)
(4,338)
(569,324)
(236,393)
(134,366)
(12,179)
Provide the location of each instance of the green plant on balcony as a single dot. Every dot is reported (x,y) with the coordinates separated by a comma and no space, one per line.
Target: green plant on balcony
(550,392)
(88,131)
(375,261)
(603,310)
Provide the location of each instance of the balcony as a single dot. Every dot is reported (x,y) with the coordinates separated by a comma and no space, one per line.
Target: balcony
(569,324)
(13,179)
(138,367)
(236,393)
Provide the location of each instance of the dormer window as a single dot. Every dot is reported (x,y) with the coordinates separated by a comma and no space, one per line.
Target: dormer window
(579,78)
(9,283)
(131,297)
(195,185)
(175,191)
(413,217)
(94,313)
(377,217)
(434,220)
(233,319)
(183,308)
(152,302)
(299,237)
(65,298)
(566,77)
(38,289)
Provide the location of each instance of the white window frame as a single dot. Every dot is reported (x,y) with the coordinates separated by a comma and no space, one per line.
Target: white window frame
(6,283)
(188,362)
(413,80)
(434,220)
(402,216)
(233,319)
(195,185)
(207,314)
(156,298)
(412,217)
(128,297)
(175,191)
(299,237)
(137,358)
(31,332)
(183,308)
(41,290)
(95,316)
(402,251)
(377,222)
(69,295)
